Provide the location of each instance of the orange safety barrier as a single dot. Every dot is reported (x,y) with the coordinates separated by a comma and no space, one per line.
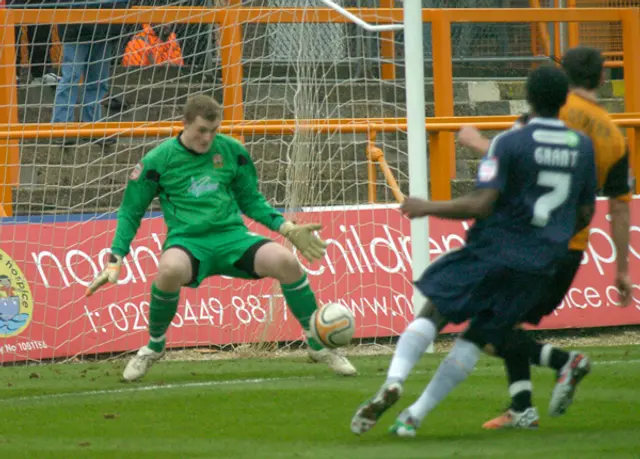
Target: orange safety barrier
(230,20)
(539,32)
(606,36)
(442,165)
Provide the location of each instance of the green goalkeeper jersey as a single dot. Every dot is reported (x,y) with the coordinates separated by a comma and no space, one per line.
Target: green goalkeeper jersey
(198,193)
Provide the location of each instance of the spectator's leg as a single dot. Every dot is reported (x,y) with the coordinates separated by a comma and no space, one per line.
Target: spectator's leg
(97,81)
(74,61)
(18,35)
(39,38)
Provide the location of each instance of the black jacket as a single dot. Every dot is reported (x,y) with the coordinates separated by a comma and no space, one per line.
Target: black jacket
(73,33)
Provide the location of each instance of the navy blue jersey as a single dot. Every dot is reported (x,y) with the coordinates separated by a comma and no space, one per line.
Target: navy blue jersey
(543,172)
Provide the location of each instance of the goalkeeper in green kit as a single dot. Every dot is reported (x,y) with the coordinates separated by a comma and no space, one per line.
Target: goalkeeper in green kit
(205,181)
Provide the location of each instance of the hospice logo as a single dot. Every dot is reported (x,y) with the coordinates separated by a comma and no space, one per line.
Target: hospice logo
(16,301)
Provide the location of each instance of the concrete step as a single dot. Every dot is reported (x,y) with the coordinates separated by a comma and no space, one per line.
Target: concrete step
(82,155)
(42,113)
(153,88)
(86,179)
(100,188)
(274,110)
(256,67)
(38,158)
(461,187)
(152,99)
(467,169)
(36,200)
(94,175)
(338,165)
(517,90)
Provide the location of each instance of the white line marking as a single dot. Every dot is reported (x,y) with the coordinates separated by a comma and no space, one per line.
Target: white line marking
(223,383)
(615,362)
(151,388)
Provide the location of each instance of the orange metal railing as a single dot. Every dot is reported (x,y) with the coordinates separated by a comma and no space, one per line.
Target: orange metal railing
(442,165)
(230,20)
(606,36)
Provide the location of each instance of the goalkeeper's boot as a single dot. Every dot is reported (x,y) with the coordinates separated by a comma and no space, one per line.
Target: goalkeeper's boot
(140,363)
(335,361)
(370,411)
(527,419)
(405,425)
(569,377)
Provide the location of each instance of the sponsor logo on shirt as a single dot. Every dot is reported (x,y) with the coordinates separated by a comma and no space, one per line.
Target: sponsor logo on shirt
(201,186)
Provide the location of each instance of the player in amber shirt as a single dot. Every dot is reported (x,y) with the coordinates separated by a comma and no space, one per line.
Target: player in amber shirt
(584,67)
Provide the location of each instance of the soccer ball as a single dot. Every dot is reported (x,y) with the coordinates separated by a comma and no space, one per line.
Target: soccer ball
(333,325)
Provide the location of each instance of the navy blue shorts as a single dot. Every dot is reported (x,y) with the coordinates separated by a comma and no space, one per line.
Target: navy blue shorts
(567,269)
(463,286)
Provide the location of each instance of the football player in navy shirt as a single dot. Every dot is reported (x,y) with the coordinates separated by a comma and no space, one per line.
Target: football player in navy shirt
(535,189)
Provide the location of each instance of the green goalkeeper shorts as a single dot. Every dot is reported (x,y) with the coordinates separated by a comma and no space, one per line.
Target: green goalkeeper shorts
(231,253)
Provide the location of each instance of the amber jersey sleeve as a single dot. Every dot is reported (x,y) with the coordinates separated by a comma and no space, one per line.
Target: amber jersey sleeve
(611,154)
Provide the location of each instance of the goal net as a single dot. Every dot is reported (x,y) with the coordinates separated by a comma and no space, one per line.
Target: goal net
(308,91)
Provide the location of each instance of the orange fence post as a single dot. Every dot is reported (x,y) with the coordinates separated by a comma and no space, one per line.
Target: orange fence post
(231,57)
(376,157)
(387,48)
(630,40)
(539,29)
(9,155)
(389,178)
(557,42)
(534,39)
(372,175)
(442,155)
(573,28)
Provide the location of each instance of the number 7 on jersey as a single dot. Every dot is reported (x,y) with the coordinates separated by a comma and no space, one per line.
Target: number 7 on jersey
(560,184)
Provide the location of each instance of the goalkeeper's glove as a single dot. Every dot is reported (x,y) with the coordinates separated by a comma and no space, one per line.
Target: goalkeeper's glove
(303,237)
(110,273)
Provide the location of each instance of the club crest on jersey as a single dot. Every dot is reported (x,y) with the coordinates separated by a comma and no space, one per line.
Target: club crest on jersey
(487,170)
(137,170)
(218,163)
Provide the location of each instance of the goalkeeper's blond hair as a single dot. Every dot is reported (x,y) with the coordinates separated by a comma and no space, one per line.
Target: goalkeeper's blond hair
(204,107)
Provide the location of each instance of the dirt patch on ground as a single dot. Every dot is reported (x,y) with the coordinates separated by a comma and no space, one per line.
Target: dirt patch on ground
(571,339)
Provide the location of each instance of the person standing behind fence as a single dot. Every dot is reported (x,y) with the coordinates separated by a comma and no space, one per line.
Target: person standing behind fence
(87,53)
(38,39)
(154,45)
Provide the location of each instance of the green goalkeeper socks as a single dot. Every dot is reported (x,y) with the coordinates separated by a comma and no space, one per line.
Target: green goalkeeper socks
(302,303)
(162,309)
(299,297)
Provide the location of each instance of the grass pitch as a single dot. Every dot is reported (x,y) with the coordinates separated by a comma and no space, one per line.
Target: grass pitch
(289,408)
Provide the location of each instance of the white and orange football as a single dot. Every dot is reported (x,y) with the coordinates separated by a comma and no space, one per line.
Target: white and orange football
(333,325)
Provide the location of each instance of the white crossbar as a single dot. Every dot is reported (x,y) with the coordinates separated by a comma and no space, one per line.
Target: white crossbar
(356,20)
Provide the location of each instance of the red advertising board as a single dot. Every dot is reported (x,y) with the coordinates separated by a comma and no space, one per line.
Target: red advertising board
(45,267)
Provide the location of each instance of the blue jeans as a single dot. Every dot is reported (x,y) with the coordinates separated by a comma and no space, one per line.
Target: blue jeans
(91,60)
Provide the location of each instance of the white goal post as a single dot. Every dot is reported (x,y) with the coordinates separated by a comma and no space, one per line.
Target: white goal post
(416,132)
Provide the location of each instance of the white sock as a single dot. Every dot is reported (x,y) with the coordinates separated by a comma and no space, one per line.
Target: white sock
(454,369)
(413,343)
(545,355)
